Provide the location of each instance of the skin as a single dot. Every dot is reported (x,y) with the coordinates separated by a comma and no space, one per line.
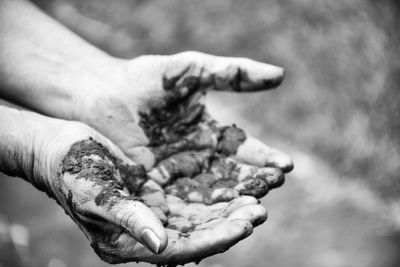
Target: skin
(63,76)
(35,148)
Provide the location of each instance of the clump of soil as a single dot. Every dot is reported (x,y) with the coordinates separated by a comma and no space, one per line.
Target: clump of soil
(231,138)
(218,181)
(89,159)
(178,115)
(180,129)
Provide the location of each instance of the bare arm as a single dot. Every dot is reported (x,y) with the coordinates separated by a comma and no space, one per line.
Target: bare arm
(18,146)
(43,65)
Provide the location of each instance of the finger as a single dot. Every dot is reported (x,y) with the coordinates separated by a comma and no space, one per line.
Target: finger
(160,215)
(182,248)
(186,216)
(178,207)
(136,219)
(103,200)
(142,155)
(253,186)
(256,214)
(197,189)
(153,196)
(229,169)
(237,203)
(185,164)
(234,142)
(222,195)
(203,243)
(209,188)
(255,152)
(194,216)
(227,180)
(181,224)
(227,73)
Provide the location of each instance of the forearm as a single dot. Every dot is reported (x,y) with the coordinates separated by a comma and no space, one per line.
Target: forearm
(43,65)
(16,142)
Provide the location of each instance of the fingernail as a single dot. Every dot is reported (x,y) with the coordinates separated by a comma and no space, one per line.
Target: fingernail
(151,240)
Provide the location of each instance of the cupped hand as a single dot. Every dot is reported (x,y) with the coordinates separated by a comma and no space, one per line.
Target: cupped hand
(153,107)
(155,113)
(84,172)
(118,208)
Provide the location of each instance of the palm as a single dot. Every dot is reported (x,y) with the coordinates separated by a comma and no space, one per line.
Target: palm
(194,156)
(93,187)
(156,115)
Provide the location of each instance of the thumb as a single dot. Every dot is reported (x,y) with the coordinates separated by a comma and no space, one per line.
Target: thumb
(137,220)
(131,215)
(92,187)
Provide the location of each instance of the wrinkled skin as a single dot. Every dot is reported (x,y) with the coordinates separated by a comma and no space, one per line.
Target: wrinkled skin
(92,185)
(155,113)
(150,105)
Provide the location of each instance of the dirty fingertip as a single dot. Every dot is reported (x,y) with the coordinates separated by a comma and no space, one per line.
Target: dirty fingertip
(286,164)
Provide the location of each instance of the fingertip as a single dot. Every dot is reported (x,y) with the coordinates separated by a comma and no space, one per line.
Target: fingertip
(276,77)
(254,152)
(154,235)
(262,76)
(141,222)
(285,163)
(274,177)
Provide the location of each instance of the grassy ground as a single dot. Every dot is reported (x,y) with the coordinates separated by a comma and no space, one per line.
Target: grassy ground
(337,114)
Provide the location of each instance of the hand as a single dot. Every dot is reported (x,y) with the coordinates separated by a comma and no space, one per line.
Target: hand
(82,170)
(155,110)
(105,193)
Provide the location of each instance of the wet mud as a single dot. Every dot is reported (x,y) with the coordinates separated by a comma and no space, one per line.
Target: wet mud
(230,139)
(190,147)
(90,160)
(190,151)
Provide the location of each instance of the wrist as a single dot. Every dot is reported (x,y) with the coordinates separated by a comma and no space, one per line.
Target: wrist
(17,155)
(24,139)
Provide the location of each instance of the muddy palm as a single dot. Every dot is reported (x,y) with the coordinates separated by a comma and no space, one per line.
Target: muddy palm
(200,178)
(105,195)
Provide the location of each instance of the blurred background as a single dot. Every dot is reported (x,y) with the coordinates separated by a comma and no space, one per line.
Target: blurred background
(337,114)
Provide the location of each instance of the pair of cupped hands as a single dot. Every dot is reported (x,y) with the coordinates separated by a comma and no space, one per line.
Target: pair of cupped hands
(118,172)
